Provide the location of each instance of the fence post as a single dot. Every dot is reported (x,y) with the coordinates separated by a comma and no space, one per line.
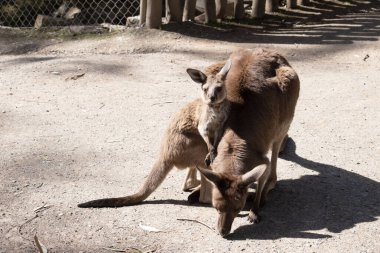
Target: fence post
(210,11)
(271,5)
(154,13)
(142,12)
(174,10)
(291,4)
(239,9)
(258,8)
(221,6)
(189,10)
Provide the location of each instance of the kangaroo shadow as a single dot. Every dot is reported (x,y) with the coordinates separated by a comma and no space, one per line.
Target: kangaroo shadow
(333,201)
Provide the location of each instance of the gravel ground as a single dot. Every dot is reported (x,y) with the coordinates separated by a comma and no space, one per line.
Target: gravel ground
(82,118)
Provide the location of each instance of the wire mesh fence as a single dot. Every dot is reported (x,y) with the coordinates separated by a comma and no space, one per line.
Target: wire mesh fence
(23,13)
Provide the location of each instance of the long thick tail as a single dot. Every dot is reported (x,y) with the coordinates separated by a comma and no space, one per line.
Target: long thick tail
(154,179)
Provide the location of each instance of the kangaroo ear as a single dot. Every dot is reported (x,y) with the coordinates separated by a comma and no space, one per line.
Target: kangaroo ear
(253,175)
(197,75)
(214,178)
(224,71)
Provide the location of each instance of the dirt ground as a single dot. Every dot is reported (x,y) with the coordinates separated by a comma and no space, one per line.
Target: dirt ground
(65,141)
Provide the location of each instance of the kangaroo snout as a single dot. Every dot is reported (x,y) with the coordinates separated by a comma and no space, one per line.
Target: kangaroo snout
(224,231)
(225,223)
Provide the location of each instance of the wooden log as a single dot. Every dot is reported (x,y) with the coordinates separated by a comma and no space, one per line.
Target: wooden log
(44,21)
(72,13)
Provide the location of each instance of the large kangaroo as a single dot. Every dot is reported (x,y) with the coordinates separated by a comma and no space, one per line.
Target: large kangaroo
(263,90)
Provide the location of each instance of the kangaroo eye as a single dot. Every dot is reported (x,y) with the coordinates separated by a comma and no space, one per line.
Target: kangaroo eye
(204,89)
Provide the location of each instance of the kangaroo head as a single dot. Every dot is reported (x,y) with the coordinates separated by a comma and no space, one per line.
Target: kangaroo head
(213,88)
(230,194)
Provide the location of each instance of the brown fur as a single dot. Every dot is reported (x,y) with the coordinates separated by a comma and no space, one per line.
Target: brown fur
(263,90)
(214,111)
(182,147)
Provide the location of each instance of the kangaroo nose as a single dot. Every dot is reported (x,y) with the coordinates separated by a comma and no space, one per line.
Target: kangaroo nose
(212,98)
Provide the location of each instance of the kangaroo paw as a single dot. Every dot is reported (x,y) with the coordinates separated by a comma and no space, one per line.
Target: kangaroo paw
(208,160)
(213,155)
(253,218)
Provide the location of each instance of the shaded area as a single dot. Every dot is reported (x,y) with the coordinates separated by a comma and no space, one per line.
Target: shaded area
(335,200)
(321,22)
(25,60)
(69,67)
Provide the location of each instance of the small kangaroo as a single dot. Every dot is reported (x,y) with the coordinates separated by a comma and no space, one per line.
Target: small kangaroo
(214,110)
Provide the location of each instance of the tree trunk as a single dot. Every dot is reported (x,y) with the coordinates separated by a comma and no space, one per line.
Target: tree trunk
(174,10)
(291,4)
(271,5)
(210,11)
(303,2)
(189,10)
(258,8)
(154,13)
(239,9)
(221,6)
(142,12)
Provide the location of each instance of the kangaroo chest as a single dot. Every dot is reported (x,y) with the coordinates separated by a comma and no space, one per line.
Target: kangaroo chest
(212,119)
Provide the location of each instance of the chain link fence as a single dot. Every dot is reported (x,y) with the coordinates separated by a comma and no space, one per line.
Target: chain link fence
(23,13)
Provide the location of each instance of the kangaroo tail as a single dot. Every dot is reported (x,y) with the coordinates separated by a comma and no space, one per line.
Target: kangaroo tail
(154,179)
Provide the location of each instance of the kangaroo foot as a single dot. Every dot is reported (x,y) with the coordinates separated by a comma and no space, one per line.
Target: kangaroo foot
(210,157)
(253,218)
(190,184)
(194,197)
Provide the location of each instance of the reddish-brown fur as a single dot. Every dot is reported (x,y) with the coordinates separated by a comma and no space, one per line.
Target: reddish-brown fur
(263,90)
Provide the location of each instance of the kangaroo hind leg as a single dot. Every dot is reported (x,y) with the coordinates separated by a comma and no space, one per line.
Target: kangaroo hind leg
(191,180)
